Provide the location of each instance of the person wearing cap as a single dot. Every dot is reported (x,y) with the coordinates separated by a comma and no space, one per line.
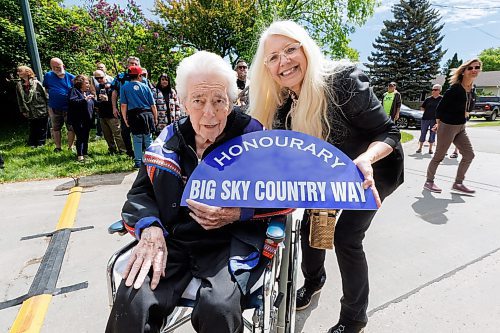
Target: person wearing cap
(116,85)
(392,101)
(138,111)
(429,107)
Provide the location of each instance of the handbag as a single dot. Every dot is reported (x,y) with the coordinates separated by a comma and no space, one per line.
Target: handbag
(322,228)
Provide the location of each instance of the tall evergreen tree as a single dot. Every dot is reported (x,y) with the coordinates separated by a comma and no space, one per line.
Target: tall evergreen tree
(408,50)
(448,66)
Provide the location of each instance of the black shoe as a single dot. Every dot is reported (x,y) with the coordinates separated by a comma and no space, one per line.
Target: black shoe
(344,327)
(304,296)
(57,150)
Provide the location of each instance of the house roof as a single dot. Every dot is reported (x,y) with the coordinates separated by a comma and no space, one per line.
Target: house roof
(484,79)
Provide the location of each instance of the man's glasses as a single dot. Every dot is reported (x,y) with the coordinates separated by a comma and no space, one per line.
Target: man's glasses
(473,67)
(242,67)
(144,74)
(99,77)
(274,58)
(434,89)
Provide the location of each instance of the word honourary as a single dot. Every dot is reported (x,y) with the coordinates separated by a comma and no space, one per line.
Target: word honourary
(285,191)
(267,141)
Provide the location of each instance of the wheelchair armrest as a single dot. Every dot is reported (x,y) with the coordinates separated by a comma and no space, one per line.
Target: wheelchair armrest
(276,231)
(117,227)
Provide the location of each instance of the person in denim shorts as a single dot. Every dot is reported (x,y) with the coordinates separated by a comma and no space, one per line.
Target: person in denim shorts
(429,107)
(58,83)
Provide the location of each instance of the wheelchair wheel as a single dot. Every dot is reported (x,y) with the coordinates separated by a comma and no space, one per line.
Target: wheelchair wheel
(292,277)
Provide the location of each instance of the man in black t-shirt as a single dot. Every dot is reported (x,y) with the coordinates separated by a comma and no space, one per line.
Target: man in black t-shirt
(429,107)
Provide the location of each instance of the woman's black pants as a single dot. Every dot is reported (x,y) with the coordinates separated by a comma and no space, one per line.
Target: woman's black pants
(82,131)
(349,234)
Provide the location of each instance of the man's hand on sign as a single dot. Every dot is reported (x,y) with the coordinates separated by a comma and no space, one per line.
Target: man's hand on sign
(365,166)
(211,217)
(150,251)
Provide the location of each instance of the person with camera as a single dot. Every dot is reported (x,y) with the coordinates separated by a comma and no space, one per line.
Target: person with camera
(116,85)
(110,123)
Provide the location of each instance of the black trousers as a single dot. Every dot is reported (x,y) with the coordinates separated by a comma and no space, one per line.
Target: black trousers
(218,308)
(349,234)
(127,140)
(82,131)
(37,131)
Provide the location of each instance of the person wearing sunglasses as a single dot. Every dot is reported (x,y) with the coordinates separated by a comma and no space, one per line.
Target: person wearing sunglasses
(295,87)
(109,122)
(451,115)
(429,118)
(242,82)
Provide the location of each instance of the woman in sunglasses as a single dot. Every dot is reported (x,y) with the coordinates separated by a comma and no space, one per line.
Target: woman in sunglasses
(295,87)
(451,115)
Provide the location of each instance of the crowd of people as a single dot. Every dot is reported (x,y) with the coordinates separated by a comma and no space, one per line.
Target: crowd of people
(293,87)
(83,102)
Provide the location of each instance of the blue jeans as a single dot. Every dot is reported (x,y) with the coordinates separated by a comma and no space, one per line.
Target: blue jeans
(427,126)
(140,141)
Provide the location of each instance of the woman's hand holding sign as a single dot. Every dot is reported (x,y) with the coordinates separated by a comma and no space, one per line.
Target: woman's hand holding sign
(376,151)
(211,217)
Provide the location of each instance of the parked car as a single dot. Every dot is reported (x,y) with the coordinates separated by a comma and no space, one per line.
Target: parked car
(487,107)
(409,117)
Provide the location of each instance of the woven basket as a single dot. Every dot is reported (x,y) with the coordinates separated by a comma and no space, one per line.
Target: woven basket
(322,224)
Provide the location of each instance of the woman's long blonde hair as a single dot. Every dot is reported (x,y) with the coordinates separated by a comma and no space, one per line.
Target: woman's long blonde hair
(458,74)
(310,114)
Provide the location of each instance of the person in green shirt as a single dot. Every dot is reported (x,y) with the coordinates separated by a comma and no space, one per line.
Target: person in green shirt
(392,101)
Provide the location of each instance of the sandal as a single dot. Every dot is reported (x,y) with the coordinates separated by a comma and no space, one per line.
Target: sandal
(454,155)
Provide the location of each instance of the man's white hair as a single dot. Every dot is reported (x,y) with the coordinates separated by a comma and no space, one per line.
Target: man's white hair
(203,62)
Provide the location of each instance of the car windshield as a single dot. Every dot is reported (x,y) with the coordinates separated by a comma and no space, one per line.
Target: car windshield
(488,99)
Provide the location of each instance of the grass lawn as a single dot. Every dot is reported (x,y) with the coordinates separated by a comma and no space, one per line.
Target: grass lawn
(26,163)
(486,124)
(405,137)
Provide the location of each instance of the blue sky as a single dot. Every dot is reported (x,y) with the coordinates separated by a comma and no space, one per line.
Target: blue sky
(470,26)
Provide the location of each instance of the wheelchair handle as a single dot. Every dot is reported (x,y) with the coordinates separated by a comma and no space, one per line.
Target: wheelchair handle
(117,227)
(276,231)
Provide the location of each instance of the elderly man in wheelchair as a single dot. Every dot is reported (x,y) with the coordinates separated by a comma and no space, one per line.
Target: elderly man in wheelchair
(220,246)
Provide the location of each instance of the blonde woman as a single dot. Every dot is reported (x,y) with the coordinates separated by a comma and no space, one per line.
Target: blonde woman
(451,115)
(32,101)
(295,87)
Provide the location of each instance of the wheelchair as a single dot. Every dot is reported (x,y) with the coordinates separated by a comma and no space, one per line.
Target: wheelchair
(272,298)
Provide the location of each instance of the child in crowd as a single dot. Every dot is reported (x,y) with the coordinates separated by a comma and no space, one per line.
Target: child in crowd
(81,113)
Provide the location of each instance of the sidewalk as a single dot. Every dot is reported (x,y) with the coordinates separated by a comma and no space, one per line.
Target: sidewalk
(434,259)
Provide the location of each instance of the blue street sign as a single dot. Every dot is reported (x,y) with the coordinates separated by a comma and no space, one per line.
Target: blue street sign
(278,169)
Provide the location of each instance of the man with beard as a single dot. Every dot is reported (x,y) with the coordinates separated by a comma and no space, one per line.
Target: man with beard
(58,83)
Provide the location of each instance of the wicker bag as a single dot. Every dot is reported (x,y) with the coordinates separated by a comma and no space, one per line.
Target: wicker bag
(322,224)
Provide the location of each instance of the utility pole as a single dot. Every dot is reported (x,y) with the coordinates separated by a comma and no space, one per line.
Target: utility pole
(31,39)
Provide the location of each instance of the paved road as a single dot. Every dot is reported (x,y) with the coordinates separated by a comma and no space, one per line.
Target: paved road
(434,258)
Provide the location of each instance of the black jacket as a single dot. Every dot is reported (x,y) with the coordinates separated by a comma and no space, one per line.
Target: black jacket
(451,110)
(80,110)
(357,122)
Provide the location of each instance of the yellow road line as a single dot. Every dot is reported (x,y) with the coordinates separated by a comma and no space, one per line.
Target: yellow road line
(31,315)
(68,215)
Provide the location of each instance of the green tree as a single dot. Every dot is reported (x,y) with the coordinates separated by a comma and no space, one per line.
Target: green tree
(408,50)
(448,67)
(231,28)
(491,59)
(222,26)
